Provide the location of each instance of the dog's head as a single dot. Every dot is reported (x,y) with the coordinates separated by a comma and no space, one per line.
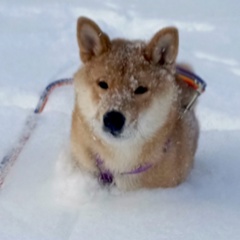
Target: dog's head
(125,89)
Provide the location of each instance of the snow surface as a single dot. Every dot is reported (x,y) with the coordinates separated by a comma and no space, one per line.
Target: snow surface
(38,45)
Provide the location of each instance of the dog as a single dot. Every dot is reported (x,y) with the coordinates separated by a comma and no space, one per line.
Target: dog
(127,128)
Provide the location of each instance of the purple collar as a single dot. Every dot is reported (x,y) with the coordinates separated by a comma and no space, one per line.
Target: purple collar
(106,177)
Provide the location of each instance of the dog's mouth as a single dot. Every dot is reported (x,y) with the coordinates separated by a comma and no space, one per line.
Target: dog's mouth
(113,123)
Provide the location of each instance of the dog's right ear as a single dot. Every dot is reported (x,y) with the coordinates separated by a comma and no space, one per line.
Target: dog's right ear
(91,40)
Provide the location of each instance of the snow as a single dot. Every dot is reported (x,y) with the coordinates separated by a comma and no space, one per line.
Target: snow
(38,45)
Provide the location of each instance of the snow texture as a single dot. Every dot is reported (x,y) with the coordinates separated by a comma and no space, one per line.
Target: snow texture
(38,45)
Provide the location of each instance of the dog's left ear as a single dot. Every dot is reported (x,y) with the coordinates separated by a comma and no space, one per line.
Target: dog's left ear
(92,41)
(163,47)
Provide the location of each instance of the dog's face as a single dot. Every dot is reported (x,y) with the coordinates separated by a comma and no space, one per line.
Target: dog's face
(125,89)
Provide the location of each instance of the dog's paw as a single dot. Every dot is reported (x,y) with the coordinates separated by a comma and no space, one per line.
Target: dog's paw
(72,187)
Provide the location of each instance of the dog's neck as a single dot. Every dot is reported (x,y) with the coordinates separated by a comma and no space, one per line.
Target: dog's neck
(107,177)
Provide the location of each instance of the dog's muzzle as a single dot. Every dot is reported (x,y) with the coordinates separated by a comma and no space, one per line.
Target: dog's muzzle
(113,122)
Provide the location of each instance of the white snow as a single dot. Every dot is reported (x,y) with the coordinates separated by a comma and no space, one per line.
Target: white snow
(38,45)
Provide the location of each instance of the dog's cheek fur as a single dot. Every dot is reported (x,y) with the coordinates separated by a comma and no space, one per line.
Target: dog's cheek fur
(84,97)
(154,117)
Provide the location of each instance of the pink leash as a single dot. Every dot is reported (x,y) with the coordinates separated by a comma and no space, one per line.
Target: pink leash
(10,158)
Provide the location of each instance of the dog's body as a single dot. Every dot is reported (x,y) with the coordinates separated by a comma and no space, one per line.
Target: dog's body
(127,110)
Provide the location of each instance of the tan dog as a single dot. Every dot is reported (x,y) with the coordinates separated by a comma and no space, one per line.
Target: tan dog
(126,123)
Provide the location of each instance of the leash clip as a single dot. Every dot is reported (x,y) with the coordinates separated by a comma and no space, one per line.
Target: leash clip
(190,105)
(197,84)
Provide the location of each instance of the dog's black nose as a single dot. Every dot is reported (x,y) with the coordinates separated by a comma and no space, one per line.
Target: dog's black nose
(113,122)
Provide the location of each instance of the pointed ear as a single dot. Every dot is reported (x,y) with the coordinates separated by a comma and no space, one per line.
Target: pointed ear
(163,47)
(91,40)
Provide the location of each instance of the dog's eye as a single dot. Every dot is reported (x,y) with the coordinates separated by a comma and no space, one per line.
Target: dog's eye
(103,85)
(141,90)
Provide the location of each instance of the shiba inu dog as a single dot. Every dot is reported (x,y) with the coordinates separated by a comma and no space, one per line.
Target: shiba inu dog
(126,125)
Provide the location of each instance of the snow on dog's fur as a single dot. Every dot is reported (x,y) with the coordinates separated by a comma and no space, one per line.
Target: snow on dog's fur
(127,107)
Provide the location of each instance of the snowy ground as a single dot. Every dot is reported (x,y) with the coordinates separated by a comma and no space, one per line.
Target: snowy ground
(38,45)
